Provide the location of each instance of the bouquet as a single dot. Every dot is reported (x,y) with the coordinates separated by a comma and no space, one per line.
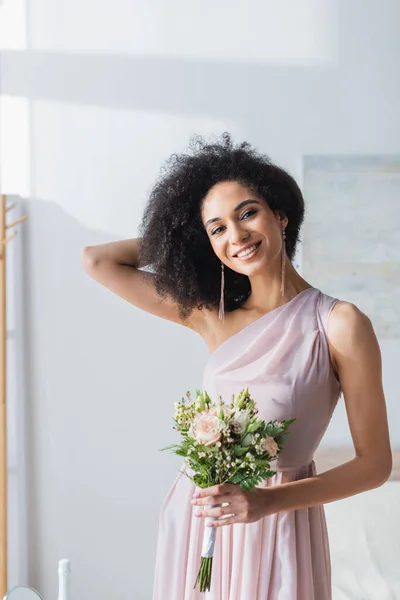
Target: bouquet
(224,444)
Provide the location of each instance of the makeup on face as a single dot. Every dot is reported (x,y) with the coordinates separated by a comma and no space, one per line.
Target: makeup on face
(237,223)
(235,210)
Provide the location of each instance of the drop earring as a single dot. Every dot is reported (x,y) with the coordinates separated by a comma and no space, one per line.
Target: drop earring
(221,302)
(283,261)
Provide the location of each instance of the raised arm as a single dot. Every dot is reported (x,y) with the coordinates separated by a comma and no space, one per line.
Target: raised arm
(115,266)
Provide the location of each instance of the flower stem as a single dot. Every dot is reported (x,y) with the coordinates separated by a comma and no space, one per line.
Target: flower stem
(204,575)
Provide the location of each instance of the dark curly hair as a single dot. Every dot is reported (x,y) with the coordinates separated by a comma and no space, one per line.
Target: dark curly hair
(174,240)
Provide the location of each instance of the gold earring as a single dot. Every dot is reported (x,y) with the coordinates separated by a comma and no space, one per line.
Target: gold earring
(283,261)
(221,302)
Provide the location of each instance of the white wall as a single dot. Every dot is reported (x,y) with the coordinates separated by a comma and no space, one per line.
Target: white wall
(107,91)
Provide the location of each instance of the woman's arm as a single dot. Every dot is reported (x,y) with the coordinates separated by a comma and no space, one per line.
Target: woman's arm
(357,358)
(115,266)
(122,252)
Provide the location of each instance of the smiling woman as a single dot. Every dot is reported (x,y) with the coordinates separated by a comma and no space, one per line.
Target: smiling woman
(209,206)
(220,231)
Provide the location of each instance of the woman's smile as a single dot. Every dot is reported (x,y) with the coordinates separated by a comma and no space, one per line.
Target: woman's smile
(248,254)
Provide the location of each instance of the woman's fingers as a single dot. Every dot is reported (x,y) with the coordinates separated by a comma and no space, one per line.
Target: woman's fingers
(209,500)
(217,511)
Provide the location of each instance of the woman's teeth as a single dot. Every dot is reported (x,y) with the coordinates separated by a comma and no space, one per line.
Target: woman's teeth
(246,252)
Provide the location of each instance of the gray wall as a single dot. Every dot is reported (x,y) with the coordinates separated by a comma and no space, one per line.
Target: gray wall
(103,92)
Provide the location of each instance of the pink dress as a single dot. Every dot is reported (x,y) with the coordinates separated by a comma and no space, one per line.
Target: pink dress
(284,360)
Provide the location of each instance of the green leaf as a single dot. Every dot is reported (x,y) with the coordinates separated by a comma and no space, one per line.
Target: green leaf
(239,450)
(237,478)
(167,447)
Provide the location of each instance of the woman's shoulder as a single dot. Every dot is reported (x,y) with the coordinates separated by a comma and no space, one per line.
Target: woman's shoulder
(346,327)
(347,317)
(214,331)
(340,313)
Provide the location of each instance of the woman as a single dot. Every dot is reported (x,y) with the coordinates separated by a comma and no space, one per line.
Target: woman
(220,232)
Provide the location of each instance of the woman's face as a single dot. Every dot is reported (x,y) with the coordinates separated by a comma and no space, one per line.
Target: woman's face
(236,219)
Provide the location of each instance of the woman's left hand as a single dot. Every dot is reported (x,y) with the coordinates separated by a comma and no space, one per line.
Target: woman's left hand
(243,507)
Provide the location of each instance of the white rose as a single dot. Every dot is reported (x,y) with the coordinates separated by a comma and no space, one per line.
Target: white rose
(241,421)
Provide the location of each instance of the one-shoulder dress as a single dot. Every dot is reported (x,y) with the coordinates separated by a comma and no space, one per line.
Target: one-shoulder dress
(283,358)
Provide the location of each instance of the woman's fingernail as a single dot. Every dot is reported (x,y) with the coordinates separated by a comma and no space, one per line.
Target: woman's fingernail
(196,495)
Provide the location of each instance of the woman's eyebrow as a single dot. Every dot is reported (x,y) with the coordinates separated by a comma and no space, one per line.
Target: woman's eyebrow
(238,207)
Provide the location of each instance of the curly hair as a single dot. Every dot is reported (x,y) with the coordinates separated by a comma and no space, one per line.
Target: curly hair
(174,240)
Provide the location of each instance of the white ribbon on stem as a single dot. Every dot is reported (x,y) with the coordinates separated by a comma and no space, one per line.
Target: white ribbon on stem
(207,550)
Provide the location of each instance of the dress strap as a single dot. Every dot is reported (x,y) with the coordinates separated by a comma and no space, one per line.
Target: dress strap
(324,307)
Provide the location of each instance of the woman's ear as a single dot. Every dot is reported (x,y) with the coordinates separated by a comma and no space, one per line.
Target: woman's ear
(281,218)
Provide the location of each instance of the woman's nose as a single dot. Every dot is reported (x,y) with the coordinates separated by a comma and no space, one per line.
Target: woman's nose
(238,235)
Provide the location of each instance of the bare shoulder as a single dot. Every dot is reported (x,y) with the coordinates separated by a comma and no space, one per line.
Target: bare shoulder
(206,323)
(348,329)
(215,332)
(347,322)
(199,322)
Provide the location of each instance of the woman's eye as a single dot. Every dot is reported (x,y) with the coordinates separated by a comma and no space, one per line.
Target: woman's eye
(249,212)
(216,230)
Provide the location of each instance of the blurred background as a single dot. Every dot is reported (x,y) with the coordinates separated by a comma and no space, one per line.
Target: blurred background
(95,95)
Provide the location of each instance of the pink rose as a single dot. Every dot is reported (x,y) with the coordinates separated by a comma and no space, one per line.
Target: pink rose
(270,446)
(206,429)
